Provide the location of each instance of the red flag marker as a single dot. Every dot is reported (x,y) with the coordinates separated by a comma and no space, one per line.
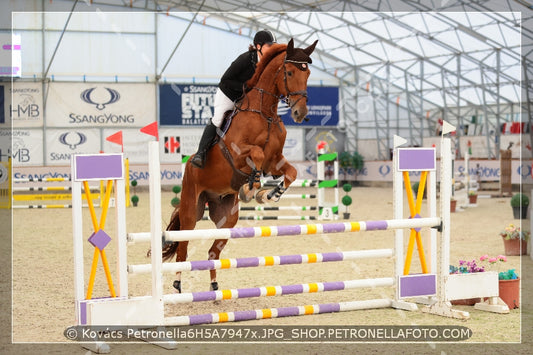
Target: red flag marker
(151,129)
(117,139)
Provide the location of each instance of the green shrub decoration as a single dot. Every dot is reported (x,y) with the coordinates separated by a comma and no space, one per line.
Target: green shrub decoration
(347,187)
(133,182)
(519,199)
(176,189)
(175,202)
(346,200)
(134,198)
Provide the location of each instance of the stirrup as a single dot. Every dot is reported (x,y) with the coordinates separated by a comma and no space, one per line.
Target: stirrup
(198,160)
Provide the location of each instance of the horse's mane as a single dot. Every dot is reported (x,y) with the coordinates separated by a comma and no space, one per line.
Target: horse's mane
(272,53)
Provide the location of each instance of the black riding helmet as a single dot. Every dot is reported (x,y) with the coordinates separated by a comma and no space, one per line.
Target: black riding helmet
(264,36)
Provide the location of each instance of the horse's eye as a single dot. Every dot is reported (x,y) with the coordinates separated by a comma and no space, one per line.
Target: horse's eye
(289,73)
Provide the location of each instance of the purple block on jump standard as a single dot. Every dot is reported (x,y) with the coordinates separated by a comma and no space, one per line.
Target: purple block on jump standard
(99,239)
(98,167)
(418,285)
(416,159)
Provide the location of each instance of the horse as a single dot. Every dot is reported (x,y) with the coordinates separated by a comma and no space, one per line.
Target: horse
(252,146)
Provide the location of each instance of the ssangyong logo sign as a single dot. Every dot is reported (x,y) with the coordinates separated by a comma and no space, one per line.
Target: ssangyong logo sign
(114,96)
(72,139)
(102,98)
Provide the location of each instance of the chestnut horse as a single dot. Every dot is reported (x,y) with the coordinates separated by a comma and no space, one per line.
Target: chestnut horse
(251,146)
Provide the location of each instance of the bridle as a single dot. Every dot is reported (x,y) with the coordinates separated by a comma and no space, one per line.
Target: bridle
(302,65)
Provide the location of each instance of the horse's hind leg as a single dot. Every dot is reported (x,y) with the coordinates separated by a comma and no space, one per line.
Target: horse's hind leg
(187,221)
(224,213)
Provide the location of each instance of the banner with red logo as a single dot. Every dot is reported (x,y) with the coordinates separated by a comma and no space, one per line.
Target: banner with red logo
(108,105)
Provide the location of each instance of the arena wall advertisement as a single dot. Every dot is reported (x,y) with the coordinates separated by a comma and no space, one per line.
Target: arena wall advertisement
(378,171)
(21,103)
(107,105)
(26,147)
(192,105)
(62,143)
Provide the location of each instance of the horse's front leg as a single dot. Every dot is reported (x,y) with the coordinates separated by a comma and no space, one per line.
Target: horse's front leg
(255,161)
(289,175)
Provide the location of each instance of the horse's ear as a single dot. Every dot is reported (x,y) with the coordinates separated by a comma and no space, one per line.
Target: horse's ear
(290,47)
(311,48)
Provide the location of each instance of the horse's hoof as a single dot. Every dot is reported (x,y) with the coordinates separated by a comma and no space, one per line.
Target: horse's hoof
(262,196)
(177,285)
(245,196)
(214,286)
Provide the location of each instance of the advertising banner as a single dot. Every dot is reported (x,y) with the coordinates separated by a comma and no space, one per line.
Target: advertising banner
(105,105)
(61,143)
(21,103)
(176,143)
(186,105)
(192,105)
(323,106)
(27,145)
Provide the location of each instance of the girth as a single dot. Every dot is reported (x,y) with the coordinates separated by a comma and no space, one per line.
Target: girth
(238,178)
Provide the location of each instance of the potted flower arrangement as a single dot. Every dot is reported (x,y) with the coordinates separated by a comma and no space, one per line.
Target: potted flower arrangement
(508,281)
(472,197)
(519,203)
(514,240)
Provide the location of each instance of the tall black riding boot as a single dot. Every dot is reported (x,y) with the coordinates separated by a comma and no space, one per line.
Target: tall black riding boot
(210,131)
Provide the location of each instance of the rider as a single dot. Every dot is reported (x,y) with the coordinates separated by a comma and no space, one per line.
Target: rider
(231,88)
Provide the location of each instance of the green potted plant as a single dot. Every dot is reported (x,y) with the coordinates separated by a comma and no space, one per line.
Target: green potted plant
(175,202)
(519,203)
(415,190)
(514,240)
(134,200)
(346,200)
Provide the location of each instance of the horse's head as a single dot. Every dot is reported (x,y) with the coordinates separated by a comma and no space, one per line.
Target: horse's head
(294,85)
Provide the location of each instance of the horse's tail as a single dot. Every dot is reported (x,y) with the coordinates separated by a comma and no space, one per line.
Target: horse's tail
(170,249)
